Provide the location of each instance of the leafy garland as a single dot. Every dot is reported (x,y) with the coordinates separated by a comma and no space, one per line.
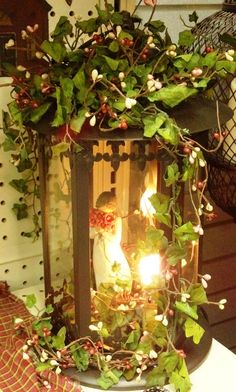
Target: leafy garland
(116,73)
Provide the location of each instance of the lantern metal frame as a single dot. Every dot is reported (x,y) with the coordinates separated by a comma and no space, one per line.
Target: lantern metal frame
(186,116)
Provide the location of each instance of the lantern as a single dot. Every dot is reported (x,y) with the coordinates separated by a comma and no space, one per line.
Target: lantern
(105,224)
(218,31)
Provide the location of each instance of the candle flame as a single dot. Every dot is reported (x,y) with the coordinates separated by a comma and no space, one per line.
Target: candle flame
(145,204)
(149,268)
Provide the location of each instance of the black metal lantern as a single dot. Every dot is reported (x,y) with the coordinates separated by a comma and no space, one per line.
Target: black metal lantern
(122,165)
(218,31)
(95,215)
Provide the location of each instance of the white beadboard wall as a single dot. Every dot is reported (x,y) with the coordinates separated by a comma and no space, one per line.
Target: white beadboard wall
(21,263)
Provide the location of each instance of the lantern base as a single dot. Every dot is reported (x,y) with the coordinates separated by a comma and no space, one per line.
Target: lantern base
(196,354)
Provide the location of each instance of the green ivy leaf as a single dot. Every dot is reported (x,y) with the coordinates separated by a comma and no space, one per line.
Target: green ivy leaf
(194,330)
(172,174)
(172,95)
(63,28)
(113,64)
(156,377)
(175,252)
(15,112)
(81,357)
(77,121)
(20,185)
(30,301)
(185,308)
(168,361)
(109,378)
(49,309)
(186,232)
(186,38)
(41,367)
(39,112)
(228,66)
(58,341)
(114,46)
(210,59)
(193,17)
(181,379)
(54,49)
(133,340)
(198,294)
(153,123)
(88,26)
(8,145)
(20,210)
(59,148)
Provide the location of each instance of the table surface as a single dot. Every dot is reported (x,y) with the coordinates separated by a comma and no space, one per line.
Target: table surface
(218,371)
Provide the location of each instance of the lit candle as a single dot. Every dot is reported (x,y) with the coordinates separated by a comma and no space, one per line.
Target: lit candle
(149,271)
(229,145)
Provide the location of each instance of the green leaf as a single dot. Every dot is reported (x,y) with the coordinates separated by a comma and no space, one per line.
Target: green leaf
(88,26)
(30,300)
(58,341)
(79,79)
(229,39)
(8,145)
(193,17)
(59,148)
(168,361)
(153,123)
(49,309)
(172,174)
(15,112)
(157,26)
(77,121)
(194,330)
(119,104)
(109,378)
(113,64)
(20,185)
(20,210)
(133,340)
(185,308)
(63,28)
(156,377)
(80,356)
(198,294)
(41,367)
(186,232)
(160,203)
(228,66)
(181,380)
(172,95)
(39,112)
(175,252)
(114,46)
(186,38)
(210,59)
(54,49)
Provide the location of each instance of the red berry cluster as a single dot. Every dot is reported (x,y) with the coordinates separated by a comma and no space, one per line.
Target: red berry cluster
(127,42)
(98,38)
(23,99)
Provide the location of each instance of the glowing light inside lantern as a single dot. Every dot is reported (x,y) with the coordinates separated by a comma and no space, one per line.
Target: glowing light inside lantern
(145,204)
(149,268)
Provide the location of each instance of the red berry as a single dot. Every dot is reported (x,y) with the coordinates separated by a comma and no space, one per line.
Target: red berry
(216,135)
(209,49)
(186,150)
(200,184)
(144,56)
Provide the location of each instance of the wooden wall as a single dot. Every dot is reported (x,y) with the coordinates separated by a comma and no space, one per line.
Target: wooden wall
(218,258)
